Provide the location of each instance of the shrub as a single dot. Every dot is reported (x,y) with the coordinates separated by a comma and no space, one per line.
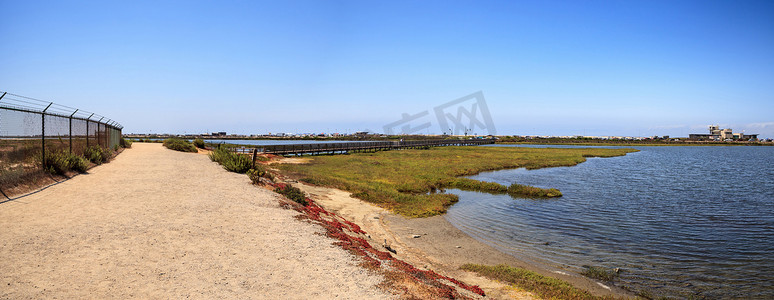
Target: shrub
(124,143)
(78,163)
(62,161)
(57,163)
(97,154)
(179,145)
(231,161)
(292,193)
(106,154)
(199,143)
(93,154)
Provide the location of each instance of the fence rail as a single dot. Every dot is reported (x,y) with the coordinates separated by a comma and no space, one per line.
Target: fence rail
(334,148)
(32,128)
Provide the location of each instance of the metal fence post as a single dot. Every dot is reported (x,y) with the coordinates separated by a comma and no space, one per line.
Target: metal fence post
(71,131)
(43,134)
(98,123)
(87,130)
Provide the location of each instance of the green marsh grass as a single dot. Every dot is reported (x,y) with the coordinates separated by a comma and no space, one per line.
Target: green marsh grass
(542,286)
(406,181)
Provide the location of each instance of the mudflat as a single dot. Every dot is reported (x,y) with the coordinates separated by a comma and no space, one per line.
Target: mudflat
(156,223)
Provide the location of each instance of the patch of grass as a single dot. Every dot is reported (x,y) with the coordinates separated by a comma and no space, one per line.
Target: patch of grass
(542,286)
(531,191)
(231,161)
(515,189)
(179,145)
(405,181)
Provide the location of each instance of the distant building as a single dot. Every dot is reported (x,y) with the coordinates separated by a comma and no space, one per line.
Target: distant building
(718,134)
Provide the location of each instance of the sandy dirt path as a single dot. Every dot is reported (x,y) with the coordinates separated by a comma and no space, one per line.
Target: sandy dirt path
(156,223)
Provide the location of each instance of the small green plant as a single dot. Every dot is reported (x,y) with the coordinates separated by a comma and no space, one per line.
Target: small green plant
(231,161)
(199,143)
(292,193)
(259,172)
(255,175)
(179,145)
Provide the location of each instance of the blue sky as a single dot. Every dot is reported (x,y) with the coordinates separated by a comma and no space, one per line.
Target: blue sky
(545,67)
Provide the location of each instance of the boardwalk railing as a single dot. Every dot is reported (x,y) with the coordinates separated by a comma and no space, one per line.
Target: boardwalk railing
(347,147)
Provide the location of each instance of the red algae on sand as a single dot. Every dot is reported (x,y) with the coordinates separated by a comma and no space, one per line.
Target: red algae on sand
(349,237)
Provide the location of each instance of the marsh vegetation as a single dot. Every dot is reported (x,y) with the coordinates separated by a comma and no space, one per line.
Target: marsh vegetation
(542,286)
(411,182)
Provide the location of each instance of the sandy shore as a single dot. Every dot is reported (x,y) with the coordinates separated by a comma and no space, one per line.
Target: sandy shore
(440,246)
(156,223)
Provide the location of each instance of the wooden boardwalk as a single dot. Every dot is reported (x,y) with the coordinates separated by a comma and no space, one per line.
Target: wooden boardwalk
(348,147)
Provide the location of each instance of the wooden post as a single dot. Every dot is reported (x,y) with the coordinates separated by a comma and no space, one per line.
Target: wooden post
(255,154)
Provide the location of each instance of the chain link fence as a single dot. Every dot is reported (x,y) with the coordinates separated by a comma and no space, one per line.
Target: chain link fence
(31,128)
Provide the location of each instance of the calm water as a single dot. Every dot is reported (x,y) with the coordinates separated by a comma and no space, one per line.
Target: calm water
(679,221)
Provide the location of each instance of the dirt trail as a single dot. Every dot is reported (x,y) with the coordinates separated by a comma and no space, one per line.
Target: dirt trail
(156,223)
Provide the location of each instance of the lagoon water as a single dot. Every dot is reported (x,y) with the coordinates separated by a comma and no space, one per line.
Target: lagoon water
(678,221)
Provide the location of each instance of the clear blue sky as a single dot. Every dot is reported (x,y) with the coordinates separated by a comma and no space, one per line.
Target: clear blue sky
(545,67)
